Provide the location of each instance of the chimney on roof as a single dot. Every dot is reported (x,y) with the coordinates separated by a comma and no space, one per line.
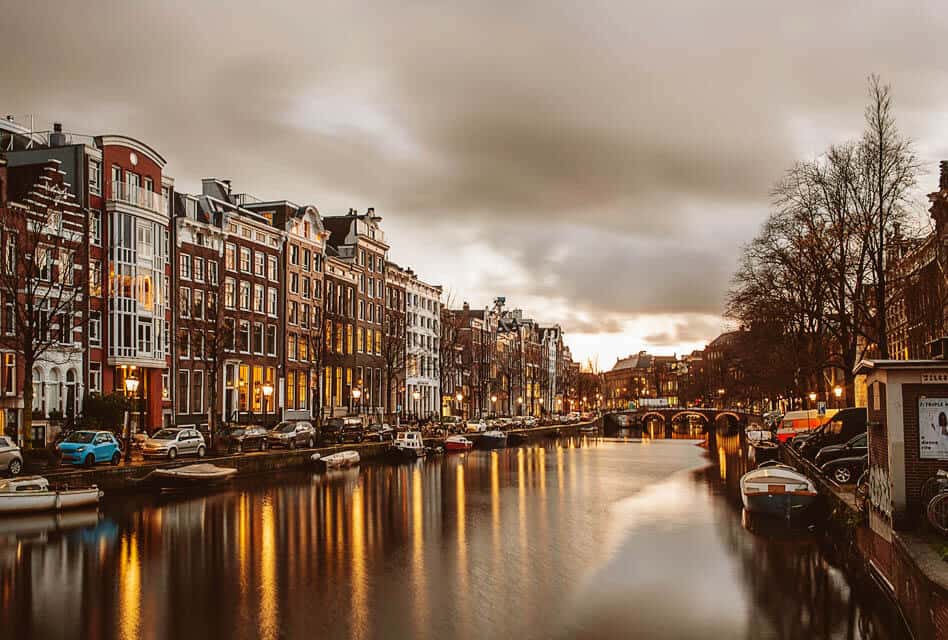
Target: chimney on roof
(57,138)
(466,306)
(370,212)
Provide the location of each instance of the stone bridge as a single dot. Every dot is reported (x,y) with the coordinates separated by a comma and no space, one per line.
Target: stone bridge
(710,420)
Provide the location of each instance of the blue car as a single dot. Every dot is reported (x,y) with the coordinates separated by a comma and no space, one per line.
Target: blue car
(90,447)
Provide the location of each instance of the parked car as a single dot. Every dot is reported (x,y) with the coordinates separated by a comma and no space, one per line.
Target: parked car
(452,423)
(380,432)
(337,430)
(842,427)
(857,446)
(245,438)
(845,470)
(292,435)
(172,442)
(529,422)
(476,426)
(90,447)
(11,458)
(352,430)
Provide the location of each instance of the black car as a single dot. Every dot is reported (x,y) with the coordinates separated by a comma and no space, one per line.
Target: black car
(857,446)
(339,430)
(380,432)
(246,438)
(845,470)
(841,428)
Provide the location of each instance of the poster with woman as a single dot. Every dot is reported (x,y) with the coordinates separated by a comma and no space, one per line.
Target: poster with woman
(933,428)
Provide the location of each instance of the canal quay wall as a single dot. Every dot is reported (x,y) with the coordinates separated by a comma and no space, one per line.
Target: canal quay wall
(919,577)
(122,478)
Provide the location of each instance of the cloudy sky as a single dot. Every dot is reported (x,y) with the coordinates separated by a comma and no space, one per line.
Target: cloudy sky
(599,164)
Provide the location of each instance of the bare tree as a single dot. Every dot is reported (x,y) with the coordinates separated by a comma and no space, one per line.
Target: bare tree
(394,346)
(888,172)
(209,335)
(45,276)
(450,349)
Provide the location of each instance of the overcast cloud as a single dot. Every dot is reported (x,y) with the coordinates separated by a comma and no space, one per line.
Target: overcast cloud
(598,163)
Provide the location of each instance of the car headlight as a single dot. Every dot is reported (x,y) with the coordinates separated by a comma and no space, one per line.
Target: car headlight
(80,449)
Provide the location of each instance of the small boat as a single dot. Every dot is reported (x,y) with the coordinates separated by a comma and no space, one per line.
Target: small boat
(192,475)
(516,437)
(494,440)
(458,443)
(341,459)
(592,427)
(316,458)
(32,493)
(408,444)
(777,489)
(758,434)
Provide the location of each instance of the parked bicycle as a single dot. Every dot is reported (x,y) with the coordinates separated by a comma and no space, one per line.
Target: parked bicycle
(935,496)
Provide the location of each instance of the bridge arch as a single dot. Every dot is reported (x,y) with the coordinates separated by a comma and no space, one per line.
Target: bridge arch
(653,414)
(730,414)
(690,413)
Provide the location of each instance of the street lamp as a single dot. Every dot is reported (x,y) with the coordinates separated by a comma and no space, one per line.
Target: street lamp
(131,387)
(838,392)
(356,395)
(416,396)
(813,396)
(267,392)
(493,403)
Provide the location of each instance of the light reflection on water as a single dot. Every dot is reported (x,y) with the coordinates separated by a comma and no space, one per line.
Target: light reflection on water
(579,537)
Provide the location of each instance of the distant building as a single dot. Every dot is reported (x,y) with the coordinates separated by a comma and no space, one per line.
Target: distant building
(423,335)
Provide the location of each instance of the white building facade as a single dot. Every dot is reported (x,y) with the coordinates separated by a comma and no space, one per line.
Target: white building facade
(423,336)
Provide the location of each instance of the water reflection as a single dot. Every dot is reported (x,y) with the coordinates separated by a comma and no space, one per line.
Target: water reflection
(581,537)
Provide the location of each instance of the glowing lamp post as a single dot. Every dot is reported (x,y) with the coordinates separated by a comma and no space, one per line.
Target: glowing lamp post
(357,395)
(416,396)
(838,392)
(131,387)
(493,404)
(267,393)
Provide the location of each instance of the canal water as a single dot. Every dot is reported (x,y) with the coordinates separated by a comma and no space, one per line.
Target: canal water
(575,538)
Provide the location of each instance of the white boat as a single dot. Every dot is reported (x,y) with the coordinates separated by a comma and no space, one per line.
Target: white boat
(777,489)
(757,434)
(409,444)
(341,459)
(316,458)
(192,475)
(494,439)
(32,493)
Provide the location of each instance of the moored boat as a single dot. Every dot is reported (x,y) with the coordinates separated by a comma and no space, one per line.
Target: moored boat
(32,493)
(458,443)
(592,427)
(192,475)
(494,440)
(777,489)
(408,444)
(340,459)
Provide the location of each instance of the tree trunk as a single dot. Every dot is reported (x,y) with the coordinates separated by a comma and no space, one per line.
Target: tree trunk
(27,426)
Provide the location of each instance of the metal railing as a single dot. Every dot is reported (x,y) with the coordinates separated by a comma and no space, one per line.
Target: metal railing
(139,196)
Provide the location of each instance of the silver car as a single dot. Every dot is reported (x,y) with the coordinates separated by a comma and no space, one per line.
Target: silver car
(292,435)
(171,443)
(11,458)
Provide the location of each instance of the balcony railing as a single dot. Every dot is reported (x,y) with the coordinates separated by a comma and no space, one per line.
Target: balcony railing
(140,197)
